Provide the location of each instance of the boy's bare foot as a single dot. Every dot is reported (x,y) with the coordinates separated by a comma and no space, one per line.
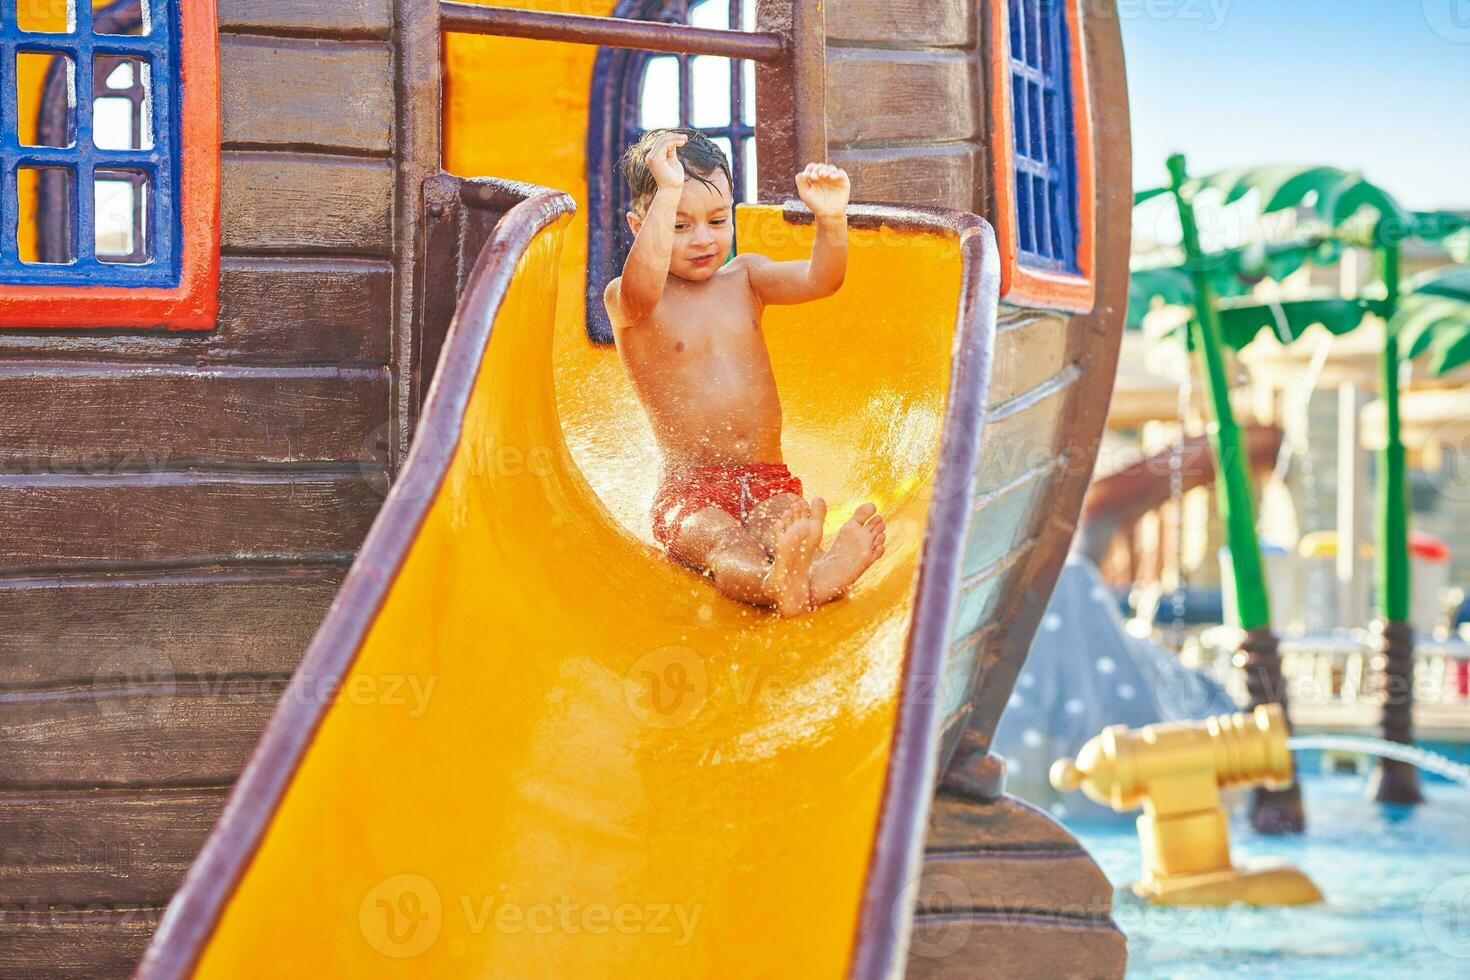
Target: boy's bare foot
(858,544)
(798,538)
(773,515)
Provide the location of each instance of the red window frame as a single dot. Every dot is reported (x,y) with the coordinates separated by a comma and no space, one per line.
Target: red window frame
(194,303)
(1021,285)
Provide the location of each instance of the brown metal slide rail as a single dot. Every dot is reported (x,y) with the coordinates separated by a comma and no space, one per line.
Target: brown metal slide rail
(788,47)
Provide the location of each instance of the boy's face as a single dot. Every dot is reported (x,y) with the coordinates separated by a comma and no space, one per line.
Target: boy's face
(704,228)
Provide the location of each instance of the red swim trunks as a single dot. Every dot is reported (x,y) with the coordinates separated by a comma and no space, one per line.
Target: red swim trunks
(736,490)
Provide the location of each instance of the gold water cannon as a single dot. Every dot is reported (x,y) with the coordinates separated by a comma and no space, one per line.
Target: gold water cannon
(1175,772)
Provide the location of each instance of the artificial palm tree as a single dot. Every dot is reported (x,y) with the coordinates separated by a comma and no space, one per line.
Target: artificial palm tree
(1272,811)
(1433,314)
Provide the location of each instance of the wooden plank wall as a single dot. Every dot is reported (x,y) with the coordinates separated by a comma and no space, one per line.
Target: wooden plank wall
(177,510)
(904,91)
(1028,451)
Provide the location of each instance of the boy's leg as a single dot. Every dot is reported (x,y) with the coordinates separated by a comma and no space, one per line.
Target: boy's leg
(857,545)
(771,514)
(712,541)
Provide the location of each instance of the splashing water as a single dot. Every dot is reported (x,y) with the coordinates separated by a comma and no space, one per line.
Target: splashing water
(1422,758)
(1397,881)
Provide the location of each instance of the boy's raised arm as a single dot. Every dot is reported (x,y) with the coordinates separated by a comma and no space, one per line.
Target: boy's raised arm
(825,189)
(647,269)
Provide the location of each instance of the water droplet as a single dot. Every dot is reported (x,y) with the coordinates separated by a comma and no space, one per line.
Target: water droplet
(1105,665)
(1031,738)
(1027,681)
(1126,692)
(1074,707)
(1051,623)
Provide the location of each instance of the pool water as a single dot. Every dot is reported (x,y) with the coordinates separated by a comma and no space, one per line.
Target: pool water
(1397,882)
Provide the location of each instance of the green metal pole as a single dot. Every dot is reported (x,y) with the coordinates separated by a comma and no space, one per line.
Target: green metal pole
(1237,513)
(1394,782)
(1393,508)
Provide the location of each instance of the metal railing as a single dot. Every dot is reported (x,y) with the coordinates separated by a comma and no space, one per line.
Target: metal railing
(1343,669)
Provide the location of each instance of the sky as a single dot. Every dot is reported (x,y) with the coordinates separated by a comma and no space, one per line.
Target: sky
(1381,86)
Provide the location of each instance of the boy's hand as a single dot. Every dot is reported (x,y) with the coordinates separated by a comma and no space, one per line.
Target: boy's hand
(663,162)
(825,189)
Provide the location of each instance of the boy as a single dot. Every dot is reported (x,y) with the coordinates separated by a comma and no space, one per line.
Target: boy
(688,329)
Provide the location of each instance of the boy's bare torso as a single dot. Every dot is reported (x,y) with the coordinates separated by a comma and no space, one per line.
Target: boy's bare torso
(703,373)
(689,333)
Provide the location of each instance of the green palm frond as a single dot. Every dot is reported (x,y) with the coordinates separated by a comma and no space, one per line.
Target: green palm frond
(1449,282)
(1240,323)
(1334,195)
(1440,226)
(1346,198)
(1290,187)
(1450,349)
(1434,317)
(1458,245)
(1167,286)
(1276,261)
(1232,274)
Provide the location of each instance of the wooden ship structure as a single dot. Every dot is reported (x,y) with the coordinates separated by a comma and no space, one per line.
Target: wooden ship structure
(330,622)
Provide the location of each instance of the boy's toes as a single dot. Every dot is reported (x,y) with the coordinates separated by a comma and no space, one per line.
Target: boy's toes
(788,515)
(799,509)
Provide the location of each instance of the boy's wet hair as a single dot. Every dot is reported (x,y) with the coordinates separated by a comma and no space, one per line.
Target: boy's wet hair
(702,159)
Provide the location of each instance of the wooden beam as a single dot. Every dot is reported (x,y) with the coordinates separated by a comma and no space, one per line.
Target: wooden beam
(464,18)
(792,94)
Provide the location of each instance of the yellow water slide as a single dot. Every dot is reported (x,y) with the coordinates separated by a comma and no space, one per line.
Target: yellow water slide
(524,744)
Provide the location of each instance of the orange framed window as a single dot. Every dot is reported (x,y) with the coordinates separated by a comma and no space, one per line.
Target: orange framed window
(109,164)
(1041,154)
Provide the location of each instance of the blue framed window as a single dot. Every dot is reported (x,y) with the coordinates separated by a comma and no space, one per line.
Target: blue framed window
(92,166)
(635,91)
(1044,157)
